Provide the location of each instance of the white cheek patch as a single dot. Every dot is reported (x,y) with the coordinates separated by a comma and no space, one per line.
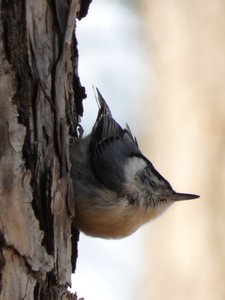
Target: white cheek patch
(133,165)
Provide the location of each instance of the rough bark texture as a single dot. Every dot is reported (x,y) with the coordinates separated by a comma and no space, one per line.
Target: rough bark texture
(41,98)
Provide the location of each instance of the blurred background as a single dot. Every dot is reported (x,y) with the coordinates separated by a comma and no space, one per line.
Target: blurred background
(161,67)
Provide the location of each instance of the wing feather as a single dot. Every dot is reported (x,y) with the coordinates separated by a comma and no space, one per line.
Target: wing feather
(110,147)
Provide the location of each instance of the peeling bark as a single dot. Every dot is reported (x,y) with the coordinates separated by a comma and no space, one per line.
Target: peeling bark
(41,99)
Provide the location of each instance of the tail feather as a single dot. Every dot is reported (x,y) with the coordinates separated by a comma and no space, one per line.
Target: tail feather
(103,107)
(105,126)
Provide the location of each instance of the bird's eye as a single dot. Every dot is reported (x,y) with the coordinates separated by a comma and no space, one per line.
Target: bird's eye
(152,184)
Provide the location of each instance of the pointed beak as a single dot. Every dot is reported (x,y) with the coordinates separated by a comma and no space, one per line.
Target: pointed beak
(182,196)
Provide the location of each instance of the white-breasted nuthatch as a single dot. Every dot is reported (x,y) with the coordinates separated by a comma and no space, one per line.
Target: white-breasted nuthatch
(116,188)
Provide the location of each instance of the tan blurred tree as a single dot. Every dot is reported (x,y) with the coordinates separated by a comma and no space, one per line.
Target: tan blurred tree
(40,99)
(186,251)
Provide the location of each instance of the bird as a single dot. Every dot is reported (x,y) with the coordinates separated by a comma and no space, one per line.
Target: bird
(116,188)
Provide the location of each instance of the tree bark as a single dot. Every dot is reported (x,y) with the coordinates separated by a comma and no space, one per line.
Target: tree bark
(41,99)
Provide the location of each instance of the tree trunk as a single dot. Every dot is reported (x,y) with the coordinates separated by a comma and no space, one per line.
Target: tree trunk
(41,98)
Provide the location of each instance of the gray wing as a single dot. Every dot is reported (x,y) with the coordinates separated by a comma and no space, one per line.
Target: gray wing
(110,147)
